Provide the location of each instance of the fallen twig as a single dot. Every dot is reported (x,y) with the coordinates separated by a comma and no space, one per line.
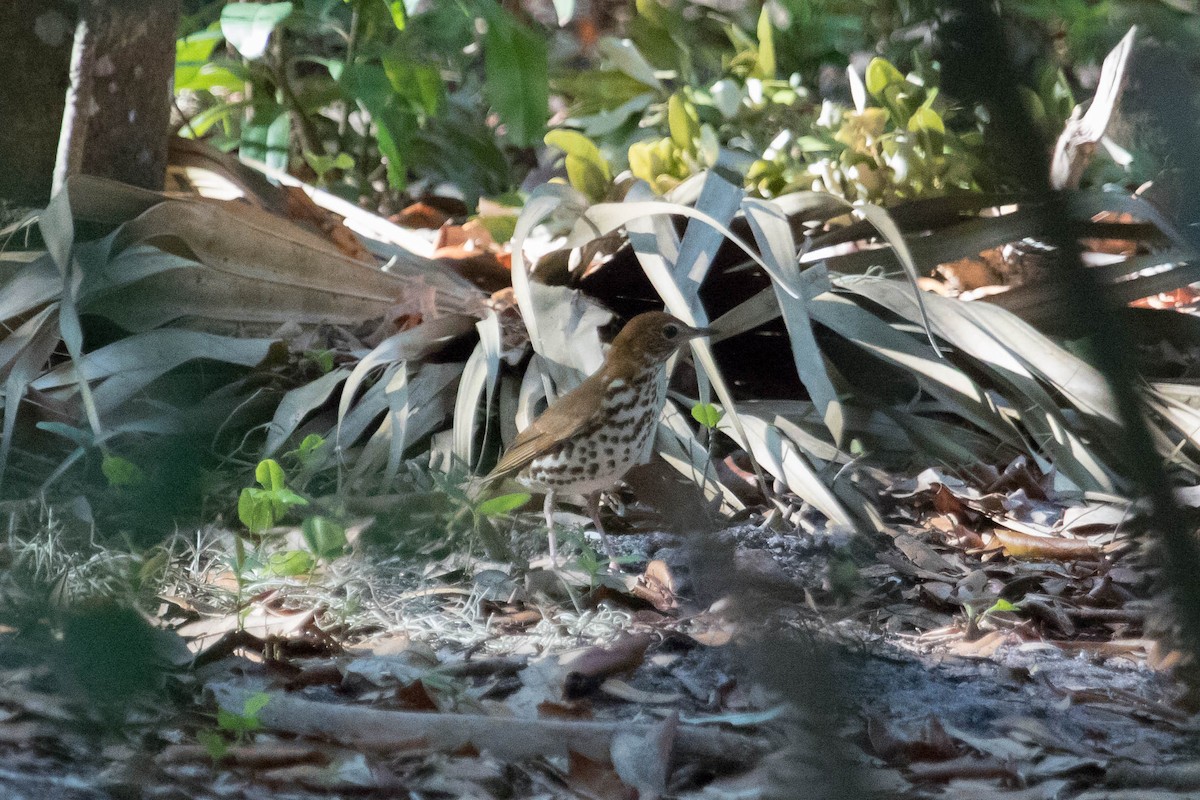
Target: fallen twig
(504,737)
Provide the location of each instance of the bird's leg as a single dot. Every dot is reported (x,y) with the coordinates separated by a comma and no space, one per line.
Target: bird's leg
(593,502)
(549,509)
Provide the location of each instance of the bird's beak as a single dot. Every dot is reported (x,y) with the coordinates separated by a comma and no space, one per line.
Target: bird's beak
(699,333)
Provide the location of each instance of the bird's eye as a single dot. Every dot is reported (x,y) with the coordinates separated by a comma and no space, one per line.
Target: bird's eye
(670,330)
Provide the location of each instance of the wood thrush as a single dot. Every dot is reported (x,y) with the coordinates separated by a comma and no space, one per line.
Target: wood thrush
(589,439)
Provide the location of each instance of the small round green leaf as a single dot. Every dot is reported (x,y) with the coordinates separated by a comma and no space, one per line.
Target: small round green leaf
(255,510)
(121,472)
(880,75)
(707,414)
(324,537)
(291,563)
(269,474)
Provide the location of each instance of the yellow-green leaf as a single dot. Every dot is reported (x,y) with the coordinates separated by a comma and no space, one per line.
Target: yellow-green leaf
(880,75)
(505,503)
(707,414)
(255,510)
(269,474)
(574,143)
(766,44)
(586,168)
(682,122)
(929,128)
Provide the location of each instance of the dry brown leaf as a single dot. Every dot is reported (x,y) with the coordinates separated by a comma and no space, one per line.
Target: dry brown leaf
(657,587)
(643,758)
(597,779)
(1023,545)
(922,555)
(967,274)
(983,647)
(420,216)
(929,743)
(590,669)
(302,209)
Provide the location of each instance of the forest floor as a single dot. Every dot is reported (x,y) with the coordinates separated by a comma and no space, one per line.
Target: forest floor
(763,660)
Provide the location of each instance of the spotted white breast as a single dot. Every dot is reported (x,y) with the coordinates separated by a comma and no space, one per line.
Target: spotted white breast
(622,436)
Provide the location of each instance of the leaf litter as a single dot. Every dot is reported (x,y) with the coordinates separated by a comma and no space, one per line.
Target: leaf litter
(967,665)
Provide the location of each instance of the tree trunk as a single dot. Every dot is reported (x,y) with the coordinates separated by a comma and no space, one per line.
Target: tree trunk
(118,107)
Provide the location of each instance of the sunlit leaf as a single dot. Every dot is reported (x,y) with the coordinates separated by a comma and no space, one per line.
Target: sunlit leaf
(248,26)
(707,414)
(504,504)
(880,75)
(766,44)
(624,55)
(269,474)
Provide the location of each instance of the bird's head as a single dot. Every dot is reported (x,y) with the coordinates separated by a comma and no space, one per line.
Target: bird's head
(650,339)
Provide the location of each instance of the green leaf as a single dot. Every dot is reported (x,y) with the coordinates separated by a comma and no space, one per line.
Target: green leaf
(248,26)
(246,721)
(286,498)
(213,743)
(326,538)
(235,723)
(880,75)
(291,563)
(322,165)
(504,504)
(213,75)
(929,128)
(682,122)
(625,56)
(707,414)
(516,78)
(307,451)
(393,126)
(267,137)
(766,44)
(586,168)
(399,14)
(121,472)
(255,510)
(270,475)
(420,84)
(192,53)
(1001,605)
(597,90)
(255,703)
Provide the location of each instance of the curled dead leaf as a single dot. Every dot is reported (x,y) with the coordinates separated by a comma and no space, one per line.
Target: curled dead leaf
(592,667)
(1024,545)
(657,587)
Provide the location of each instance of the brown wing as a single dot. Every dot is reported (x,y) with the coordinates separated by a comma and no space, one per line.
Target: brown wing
(574,412)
